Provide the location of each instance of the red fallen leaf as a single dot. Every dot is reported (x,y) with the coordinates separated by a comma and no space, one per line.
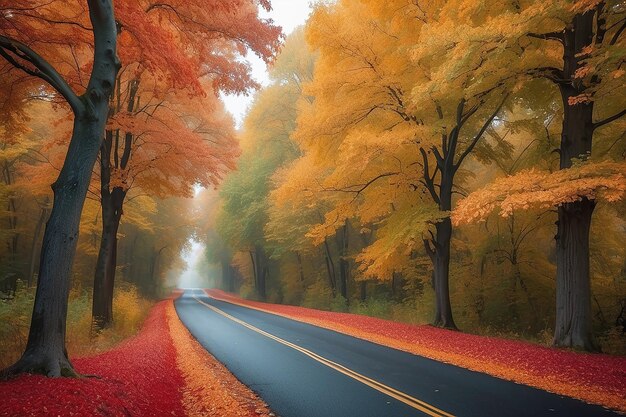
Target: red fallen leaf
(595,378)
(143,368)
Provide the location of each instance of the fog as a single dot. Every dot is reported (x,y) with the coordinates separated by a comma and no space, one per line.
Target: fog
(195,272)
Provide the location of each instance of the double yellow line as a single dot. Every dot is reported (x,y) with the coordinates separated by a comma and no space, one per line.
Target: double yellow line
(378,386)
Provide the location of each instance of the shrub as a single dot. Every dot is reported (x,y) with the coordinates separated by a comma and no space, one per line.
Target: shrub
(129,312)
(318,296)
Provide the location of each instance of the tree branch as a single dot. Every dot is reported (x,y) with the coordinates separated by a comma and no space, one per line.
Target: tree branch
(609,119)
(550,36)
(428,181)
(553,74)
(429,250)
(11,48)
(362,187)
(471,146)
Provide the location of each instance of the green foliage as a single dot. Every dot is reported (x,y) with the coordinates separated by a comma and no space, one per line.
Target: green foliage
(318,296)
(14,322)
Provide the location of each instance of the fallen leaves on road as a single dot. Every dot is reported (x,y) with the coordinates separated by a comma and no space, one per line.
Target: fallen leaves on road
(599,379)
(210,389)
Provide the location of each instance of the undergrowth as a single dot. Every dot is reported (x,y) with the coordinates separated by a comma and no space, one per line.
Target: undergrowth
(129,311)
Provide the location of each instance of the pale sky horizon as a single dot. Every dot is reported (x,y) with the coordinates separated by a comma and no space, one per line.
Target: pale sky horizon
(289,14)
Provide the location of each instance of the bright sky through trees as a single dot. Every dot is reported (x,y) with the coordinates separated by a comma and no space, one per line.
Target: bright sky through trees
(288,14)
(191,278)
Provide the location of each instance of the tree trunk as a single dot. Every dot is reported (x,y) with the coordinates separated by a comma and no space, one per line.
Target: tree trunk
(45,350)
(104,278)
(439,252)
(33,247)
(232,277)
(573,286)
(12,216)
(441,262)
(154,270)
(330,268)
(512,296)
(344,263)
(300,267)
(573,295)
(225,284)
(130,266)
(260,270)
(228,278)
(363,291)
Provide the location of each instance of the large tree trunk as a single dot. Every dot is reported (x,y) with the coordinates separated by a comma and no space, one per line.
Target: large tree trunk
(45,350)
(104,279)
(573,295)
(439,252)
(441,272)
(573,284)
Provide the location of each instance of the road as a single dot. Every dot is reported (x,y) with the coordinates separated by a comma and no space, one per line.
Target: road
(301,370)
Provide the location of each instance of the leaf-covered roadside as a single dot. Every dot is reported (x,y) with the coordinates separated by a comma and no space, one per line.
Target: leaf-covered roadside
(594,378)
(210,389)
(162,371)
(138,378)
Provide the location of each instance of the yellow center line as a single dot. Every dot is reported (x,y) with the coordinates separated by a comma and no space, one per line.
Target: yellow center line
(379,386)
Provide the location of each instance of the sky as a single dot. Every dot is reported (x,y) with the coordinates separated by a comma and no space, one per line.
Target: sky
(288,14)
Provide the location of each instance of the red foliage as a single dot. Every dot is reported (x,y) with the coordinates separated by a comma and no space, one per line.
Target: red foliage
(594,378)
(139,378)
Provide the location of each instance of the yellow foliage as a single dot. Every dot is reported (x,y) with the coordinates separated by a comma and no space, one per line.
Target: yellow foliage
(594,180)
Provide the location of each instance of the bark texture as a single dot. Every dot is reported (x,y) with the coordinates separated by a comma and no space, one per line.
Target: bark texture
(104,280)
(573,293)
(260,269)
(45,350)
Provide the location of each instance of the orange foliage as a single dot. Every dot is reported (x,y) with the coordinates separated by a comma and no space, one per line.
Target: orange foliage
(599,180)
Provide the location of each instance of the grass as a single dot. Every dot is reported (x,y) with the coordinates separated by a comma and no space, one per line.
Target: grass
(130,310)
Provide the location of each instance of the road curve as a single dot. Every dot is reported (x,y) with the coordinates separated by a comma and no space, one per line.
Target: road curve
(301,370)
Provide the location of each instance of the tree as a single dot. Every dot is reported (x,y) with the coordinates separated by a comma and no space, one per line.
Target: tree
(376,101)
(585,45)
(159,138)
(162,148)
(45,351)
(266,146)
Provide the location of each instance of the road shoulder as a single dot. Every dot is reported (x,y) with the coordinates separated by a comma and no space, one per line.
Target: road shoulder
(593,378)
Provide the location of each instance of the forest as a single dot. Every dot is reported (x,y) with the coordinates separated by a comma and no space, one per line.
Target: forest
(459,163)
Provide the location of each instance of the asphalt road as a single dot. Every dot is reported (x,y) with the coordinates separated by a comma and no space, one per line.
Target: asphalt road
(301,370)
